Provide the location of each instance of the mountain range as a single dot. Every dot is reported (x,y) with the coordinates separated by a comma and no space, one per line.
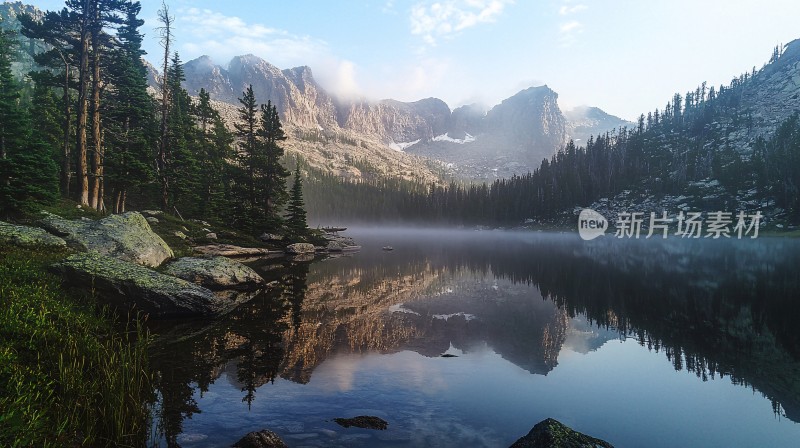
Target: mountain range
(471,141)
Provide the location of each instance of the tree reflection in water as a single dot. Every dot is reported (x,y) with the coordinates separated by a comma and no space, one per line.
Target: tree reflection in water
(714,308)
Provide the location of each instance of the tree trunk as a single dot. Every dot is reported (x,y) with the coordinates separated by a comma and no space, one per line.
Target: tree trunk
(83,106)
(66,173)
(95,194)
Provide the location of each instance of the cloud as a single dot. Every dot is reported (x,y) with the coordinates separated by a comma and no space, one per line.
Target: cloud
(570,27)
(223,37)
(567,10)
(443,19)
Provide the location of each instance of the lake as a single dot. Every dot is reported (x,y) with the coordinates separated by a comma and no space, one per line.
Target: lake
(656,343)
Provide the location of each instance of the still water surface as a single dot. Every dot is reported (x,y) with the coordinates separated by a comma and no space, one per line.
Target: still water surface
(641,343)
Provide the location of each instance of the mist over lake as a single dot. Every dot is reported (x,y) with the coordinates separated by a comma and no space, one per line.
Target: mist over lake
(638,342)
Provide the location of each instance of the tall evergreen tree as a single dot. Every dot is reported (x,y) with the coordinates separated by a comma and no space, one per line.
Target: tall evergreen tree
(27,171)
(274,194)
(246,210)
(296,216)
(129,113)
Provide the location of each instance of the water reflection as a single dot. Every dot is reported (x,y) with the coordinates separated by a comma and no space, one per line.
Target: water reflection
(714,308)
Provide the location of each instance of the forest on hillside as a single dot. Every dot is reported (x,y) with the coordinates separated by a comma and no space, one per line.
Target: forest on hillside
(83,125)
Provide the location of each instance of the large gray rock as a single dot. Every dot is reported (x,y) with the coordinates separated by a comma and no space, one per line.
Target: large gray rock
(551,433)
(260,439)
(25,236)
(127,237)
(300,248)
(215,273)
(129,286)
(229,250)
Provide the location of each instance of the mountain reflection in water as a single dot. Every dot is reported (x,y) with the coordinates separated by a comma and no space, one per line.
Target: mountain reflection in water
(713,308)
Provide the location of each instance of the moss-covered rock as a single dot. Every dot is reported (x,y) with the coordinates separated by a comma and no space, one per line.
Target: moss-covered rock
(127,237)
(260,439)
(215,273)
(300,248)
(128,286)
(25,236)
(551,433)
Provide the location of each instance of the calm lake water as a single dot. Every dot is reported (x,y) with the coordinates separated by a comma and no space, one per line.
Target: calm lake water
(639,342)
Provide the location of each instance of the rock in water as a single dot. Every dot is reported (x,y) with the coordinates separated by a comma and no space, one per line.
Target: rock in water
(127,237)
(215,273)
(300,248)
(260,439)
(551,433)
(334,246)
(129,286)
(363,421)
(229,250)
(25,236)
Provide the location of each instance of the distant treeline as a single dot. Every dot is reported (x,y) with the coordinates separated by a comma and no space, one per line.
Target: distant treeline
(664,154)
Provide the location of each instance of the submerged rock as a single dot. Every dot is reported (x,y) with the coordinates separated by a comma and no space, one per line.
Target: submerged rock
(25,236)
(260,439)
(129,286)
(215,273)
(300,248)
(363,421)
(551,433)
(127,237)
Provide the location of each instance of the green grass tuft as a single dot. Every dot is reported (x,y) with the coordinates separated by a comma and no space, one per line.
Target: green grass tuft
(68,375)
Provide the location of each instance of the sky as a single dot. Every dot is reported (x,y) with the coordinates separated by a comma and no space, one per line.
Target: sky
(625,56)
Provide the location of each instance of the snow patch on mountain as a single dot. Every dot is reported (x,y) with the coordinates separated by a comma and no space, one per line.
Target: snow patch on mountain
(402,145)
(446,138)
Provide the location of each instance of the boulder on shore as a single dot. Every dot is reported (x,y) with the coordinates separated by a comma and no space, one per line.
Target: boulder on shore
(229,250)
(215,273)
(126,237)
(551,433)
(128,286)
(260,439)
(25,236)
(300,248)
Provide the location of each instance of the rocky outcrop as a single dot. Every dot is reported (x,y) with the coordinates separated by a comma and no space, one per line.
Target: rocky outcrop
(551,433)
(128,286)
(584,122)
(260,439)
(25,236)
(300,248)
(215,273)
(229,250)
(126,237)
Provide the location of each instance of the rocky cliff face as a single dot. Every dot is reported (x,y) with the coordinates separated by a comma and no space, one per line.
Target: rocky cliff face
(584,122)
(773,94)
(512,138)
(9,11)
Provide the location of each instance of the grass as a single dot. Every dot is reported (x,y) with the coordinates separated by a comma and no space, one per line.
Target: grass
(68,375)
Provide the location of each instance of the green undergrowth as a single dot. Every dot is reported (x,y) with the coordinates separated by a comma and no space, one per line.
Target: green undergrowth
(69,375)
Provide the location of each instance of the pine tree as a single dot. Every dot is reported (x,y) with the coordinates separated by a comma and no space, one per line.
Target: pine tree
(246,210)
(59,60)
(296,216)
(214,147)
(183,167)
(130,114)
(27,171)
(273,195)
